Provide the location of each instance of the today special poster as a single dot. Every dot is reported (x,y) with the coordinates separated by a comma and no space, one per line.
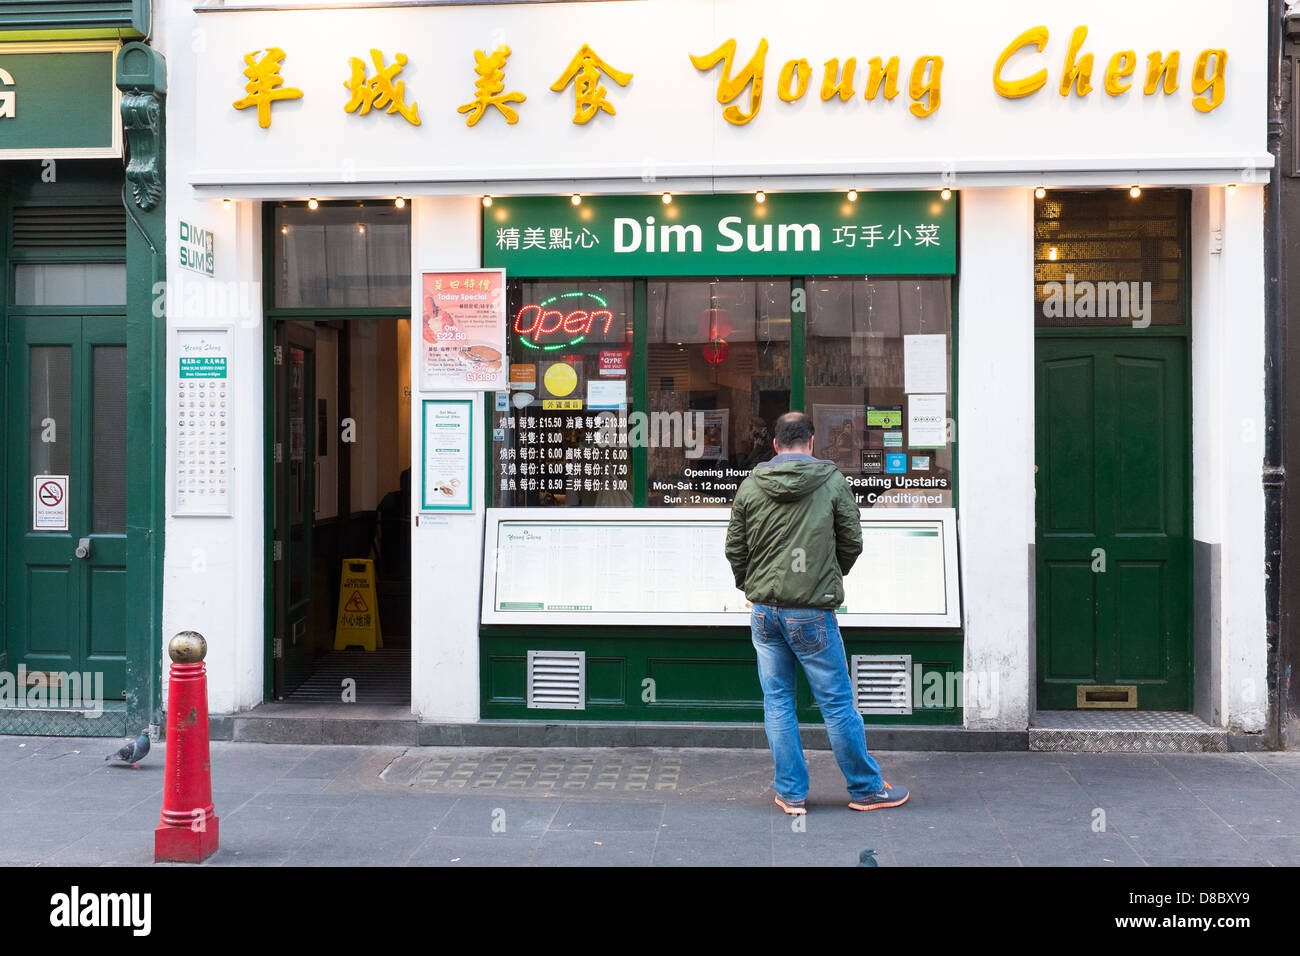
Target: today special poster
(463,330)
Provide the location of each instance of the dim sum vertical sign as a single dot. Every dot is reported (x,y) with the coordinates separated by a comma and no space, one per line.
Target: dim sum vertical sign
(463,330)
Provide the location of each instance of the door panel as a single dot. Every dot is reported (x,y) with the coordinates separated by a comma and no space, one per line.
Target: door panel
(295,434)
(1071,597)
(1113,537)
(1140,650)
(1066,385)
(67,379)
(104,489)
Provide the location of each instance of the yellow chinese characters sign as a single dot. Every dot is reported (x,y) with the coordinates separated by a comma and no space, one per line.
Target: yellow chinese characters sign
(740,85)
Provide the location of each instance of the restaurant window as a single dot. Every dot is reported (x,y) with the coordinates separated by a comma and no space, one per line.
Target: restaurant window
(561,438)
(593,418)
(719,377)
(1104,258)
(343,256)
(878,385)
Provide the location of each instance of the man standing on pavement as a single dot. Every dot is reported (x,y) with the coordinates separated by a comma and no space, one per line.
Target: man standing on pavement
(794,534)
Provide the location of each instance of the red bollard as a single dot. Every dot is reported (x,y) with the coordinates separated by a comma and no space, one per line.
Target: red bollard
(188,830)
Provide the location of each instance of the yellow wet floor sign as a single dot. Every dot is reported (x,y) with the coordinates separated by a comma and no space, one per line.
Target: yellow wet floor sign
(358,621)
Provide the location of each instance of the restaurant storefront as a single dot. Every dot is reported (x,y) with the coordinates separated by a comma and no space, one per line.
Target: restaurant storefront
(1004,267)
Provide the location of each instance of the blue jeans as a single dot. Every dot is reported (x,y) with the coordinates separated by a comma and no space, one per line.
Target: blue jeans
(782,636)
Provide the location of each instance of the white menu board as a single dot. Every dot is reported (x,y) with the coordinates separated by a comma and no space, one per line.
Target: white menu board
(640,567)
(448,442)
(202,411)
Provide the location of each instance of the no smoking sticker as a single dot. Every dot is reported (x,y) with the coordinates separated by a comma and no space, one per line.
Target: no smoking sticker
(50,503)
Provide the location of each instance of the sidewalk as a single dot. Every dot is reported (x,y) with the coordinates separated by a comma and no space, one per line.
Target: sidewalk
(60,803)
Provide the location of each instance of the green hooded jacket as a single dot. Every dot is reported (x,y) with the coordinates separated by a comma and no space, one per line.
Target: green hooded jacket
(794,533)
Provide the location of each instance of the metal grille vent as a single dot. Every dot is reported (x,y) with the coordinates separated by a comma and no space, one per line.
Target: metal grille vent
(674,364)
(63,227)
(882,683)
(557,680)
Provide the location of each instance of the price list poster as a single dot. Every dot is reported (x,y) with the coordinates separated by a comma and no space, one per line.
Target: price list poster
(201,413)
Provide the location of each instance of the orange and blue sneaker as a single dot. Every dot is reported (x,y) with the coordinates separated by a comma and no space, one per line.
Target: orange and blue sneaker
(792,807)
(888,797)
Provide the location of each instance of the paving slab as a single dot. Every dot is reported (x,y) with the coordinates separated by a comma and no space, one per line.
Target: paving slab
(340,805)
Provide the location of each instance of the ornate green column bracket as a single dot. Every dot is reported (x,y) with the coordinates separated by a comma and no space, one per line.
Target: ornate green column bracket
(142,78)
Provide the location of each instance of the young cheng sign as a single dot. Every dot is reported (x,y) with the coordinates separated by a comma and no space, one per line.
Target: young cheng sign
(691,90)
(896,233)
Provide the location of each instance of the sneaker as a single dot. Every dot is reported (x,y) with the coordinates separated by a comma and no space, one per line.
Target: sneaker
(889,797)
(793,807)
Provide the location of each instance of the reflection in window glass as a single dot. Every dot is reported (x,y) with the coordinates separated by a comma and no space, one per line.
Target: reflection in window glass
(719,377)
(342,257)
(70,283)
(563,439)
(1103,258)
(50,431)
(108,455)
(879,386)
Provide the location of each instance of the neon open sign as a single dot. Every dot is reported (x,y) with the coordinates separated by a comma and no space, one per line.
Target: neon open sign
(542,325)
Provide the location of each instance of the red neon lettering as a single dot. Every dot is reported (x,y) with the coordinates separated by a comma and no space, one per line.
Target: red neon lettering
(548,321)
(541,328)
(520,318)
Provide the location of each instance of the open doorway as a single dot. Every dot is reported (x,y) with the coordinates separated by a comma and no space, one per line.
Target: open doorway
(341,499)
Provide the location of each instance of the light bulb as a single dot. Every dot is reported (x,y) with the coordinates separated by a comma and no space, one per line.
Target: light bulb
(1040,193)
(487,201)
(853,195)
(399,202)
(313,205)
(1135,191)
(760,196)
(667,199)
(576,199)
(945,194)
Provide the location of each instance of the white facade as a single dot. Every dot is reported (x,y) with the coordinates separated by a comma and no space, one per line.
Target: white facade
(669,133)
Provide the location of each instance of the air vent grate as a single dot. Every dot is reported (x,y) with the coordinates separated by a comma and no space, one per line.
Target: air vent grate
(882,683)
(65,227)
(557,680)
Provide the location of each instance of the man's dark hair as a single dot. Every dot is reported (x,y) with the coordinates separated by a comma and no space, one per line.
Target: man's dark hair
(793,428)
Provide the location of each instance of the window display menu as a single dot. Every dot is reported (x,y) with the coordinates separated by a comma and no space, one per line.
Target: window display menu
(636,571)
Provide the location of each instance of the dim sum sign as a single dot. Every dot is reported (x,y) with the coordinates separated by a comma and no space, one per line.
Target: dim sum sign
(899,233)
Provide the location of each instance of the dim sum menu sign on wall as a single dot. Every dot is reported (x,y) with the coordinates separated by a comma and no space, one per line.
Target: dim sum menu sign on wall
(463,330)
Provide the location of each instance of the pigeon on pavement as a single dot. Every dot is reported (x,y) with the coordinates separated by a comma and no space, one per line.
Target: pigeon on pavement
(133,751)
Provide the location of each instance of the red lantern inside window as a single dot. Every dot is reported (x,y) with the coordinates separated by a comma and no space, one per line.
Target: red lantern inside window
(715,324)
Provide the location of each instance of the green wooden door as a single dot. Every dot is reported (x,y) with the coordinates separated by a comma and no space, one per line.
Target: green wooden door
(1113,556)
(295,494)
(67,383)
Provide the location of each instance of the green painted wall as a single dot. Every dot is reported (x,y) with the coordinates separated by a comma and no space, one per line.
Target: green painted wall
(708,675)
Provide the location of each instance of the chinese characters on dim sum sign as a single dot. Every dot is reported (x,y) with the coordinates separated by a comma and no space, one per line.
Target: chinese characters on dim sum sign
(463,330)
